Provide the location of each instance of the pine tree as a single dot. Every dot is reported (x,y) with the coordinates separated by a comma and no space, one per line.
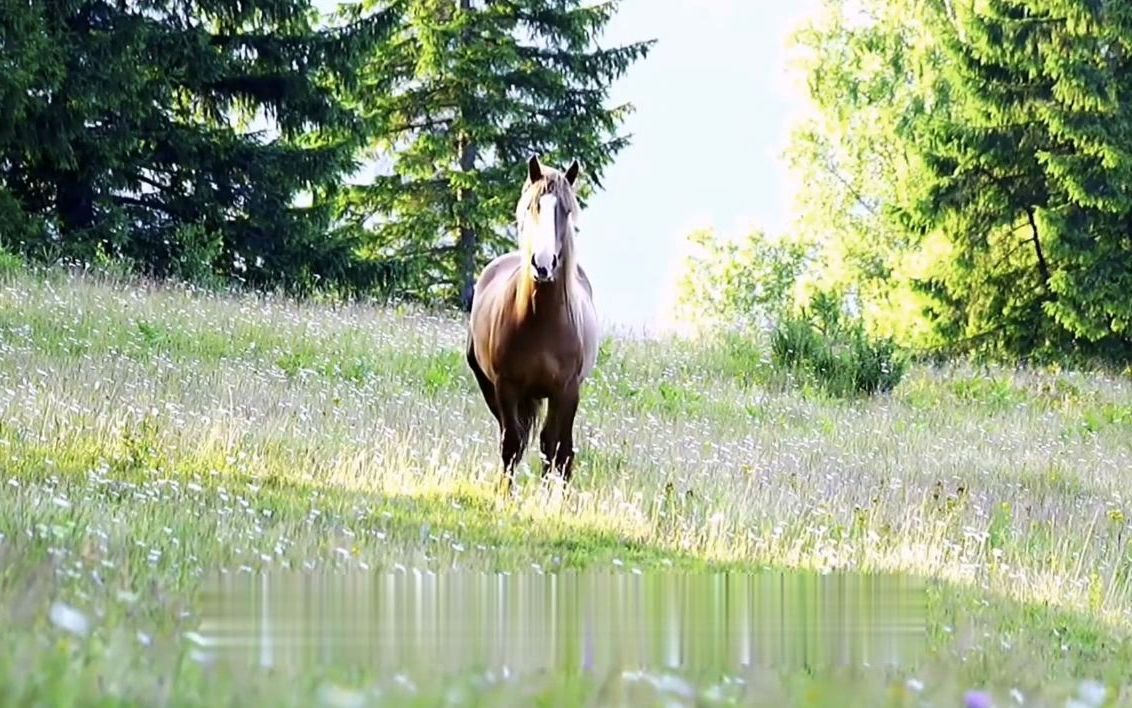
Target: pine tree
(456,103)
(977,157)
(27,62)
(1032,178)
(138,149)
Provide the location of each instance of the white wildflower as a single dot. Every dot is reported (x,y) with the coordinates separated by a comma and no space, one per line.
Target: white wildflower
(68,618)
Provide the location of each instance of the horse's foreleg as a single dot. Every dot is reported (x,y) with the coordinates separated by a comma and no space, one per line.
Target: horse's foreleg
(512,439)
(548,438)
(558,440)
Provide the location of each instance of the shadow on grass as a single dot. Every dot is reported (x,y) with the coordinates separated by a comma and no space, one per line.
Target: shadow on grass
(465,525)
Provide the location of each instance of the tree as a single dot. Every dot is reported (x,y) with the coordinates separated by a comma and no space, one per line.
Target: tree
(27,63)
(871,69)
(456,103)
(1032,178)
(969,158)
(133,144)
(748,282)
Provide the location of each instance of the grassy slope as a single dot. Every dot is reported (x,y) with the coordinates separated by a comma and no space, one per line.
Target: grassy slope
(150,436)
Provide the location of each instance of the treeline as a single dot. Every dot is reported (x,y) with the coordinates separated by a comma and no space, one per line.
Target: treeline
(967,180)
(222,140)
(971,175)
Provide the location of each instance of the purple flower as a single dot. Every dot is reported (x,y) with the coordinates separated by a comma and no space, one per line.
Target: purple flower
(977,699)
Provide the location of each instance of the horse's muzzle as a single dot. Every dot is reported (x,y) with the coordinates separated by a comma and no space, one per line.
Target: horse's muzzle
(542,274)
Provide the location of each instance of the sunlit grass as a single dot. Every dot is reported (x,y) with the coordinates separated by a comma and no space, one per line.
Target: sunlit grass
(151,435)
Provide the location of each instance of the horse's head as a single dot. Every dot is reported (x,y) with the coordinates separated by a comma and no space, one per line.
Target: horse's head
(546,215)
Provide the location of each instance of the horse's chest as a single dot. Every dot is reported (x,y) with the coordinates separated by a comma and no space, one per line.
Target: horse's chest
(545,362)
(553,369)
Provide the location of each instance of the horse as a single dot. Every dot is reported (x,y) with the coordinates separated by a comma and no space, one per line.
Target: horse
(533,329)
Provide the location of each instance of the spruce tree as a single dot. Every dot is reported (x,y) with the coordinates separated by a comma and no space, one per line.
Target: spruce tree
(457,102)
(136,146)
(972,159)
(1032,179)
(28,62)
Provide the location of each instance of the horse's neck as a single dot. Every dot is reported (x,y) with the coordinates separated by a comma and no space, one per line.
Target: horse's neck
(543,301)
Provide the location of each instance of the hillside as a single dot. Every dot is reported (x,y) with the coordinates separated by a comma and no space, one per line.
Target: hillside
(151,435)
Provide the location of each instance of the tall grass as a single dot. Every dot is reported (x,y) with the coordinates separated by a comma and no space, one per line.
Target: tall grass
(152,434)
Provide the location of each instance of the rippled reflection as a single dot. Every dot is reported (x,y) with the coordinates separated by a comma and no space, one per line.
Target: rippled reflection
(568,622)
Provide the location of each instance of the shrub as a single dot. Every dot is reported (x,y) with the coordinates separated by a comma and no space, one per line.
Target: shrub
(748,282)
(834,353)
(10,265)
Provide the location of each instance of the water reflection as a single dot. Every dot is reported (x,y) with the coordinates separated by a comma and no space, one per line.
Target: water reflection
(567,622)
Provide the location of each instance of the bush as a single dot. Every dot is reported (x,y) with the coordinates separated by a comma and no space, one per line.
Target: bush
(747,282)
(11,265)
(835,354)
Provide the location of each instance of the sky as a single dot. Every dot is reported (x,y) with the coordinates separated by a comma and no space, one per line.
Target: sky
(714,102)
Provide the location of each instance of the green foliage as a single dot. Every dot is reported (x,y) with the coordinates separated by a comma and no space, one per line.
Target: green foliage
(967,172)
(454,105)
(1029,174)
(126,135)
(870,76)
(218,142)
(996,393)
(749,282)
(1106,416)
(835,353)
(11,264)
(736,290)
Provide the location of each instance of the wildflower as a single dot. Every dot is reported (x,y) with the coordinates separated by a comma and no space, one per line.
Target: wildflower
(1091,693)
(69,619)
(977,699)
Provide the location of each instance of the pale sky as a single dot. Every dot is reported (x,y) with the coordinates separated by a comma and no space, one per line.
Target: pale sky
(714,105)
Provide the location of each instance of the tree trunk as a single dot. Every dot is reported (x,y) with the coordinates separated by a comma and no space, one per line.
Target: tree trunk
(468,240)
(468,243)
(74,203)
(1043,266)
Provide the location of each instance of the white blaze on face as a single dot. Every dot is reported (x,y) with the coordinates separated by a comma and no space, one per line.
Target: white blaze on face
(544,234)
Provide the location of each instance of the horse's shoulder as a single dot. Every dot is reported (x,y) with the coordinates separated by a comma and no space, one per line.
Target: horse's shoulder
(503,263)
(585,281)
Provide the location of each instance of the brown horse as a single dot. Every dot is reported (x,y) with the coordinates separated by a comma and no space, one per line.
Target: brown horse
(533,332)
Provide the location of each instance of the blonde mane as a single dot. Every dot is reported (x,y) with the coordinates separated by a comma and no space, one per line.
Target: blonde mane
(552,182)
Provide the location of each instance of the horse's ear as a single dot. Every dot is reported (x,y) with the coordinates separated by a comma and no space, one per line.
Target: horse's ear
(534,169)
(572,172)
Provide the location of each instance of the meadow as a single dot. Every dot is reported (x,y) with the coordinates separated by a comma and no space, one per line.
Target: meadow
(152,435)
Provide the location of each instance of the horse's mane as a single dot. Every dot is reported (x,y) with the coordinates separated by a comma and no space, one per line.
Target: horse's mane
(552,182)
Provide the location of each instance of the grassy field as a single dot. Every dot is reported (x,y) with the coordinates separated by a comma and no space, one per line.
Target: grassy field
(150,436)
